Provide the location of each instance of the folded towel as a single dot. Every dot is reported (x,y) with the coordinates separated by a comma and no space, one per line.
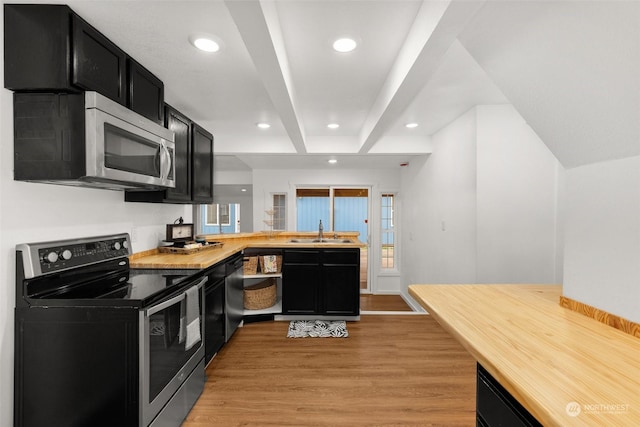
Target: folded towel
(192,317)
(182,328)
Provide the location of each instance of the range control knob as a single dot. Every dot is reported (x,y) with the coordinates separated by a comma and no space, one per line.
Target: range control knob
(51,257)
(125,244)
(66,255)
(116,246)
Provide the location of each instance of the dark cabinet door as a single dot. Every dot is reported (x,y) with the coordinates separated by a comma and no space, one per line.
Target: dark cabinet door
(339,295)
(50,48)
(496,407)
(91,360)
(301,281)
(181,127)
(300,289)
(97,63)
(341,281)
(145,92)
(36,47)
(202,165)
(321,281)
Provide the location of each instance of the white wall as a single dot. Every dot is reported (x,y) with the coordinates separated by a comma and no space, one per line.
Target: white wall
(41,212)
(517,181)
(267,182)
(483,208)
(439,209)
(602,240)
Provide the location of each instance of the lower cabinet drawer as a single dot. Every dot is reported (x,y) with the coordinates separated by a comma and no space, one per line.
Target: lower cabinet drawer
(496,407)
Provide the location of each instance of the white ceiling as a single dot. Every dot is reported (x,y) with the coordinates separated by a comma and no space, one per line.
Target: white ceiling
(571,68)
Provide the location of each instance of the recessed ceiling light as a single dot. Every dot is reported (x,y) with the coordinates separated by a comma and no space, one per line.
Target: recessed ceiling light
(205,42)
(332,161)
(344,44)
(263,125)
(333,125)
(243,189)
(411,125)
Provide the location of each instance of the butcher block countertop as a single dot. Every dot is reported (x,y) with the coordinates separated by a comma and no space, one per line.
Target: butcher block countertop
(233,243)
(565,368)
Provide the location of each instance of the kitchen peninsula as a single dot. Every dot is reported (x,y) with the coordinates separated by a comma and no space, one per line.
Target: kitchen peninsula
(316,277)
(565,369)
(233,243)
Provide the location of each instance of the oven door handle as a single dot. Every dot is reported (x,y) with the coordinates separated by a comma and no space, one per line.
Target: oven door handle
(156,308)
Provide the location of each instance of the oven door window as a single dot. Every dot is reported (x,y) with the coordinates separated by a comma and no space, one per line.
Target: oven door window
(167,349)
(130,153)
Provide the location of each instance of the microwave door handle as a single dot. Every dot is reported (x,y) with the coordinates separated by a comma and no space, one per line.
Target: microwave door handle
(168,303)
(166,163)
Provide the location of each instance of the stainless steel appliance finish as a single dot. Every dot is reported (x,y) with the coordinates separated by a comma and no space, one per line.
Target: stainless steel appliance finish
(234,296)
(165,363)
(125,147)
(88,140)
(112,338)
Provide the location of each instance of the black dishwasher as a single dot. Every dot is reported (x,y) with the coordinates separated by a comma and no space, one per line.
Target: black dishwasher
(214,312)
(234,294)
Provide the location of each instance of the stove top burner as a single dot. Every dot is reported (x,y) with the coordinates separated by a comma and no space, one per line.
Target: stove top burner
(98,275)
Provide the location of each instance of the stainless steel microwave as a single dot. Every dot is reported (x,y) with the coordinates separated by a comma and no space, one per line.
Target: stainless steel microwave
(89,140)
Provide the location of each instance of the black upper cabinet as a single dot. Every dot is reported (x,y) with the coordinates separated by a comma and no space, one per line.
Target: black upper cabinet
(193,166)
(36,47)
(202,165)
(145,92)
(97,63)
(50,48)
(181,127)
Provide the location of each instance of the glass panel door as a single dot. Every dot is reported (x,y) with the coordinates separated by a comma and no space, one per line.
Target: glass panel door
(313,205)
(351,210)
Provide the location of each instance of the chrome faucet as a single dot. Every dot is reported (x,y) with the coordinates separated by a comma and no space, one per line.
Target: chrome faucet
(320,230)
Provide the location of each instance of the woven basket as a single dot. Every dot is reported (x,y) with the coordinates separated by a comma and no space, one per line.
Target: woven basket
(261,295)
(278,265)
(250,265)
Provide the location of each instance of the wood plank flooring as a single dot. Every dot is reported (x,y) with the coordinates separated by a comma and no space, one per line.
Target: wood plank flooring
(369,302)
(391,370)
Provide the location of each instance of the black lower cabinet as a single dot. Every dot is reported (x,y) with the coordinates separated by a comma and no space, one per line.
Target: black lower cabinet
(76,367)
(321,282)
(341,282)
(496,407)
(300,288)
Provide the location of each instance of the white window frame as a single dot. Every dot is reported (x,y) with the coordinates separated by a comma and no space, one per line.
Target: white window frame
(280,209)
(217,223)
(393,230)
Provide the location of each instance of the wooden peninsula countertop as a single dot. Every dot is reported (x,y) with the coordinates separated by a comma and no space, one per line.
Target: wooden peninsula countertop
(565,368)
(233,243)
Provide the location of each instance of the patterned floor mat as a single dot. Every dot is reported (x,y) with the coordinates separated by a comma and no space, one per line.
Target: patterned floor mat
(317,329)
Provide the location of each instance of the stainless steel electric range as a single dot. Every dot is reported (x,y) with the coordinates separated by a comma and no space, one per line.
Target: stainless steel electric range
(99,344)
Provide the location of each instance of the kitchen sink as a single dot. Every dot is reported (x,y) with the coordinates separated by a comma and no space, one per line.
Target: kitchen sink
(335,241)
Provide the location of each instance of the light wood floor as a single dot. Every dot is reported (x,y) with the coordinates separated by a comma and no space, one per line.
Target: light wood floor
(391,370)
(369,302)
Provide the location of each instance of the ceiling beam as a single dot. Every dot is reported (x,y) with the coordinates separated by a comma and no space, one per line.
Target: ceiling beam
(258,24)
(435,28)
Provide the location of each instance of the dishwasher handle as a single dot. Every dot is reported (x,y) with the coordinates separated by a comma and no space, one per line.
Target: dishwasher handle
(234,265)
